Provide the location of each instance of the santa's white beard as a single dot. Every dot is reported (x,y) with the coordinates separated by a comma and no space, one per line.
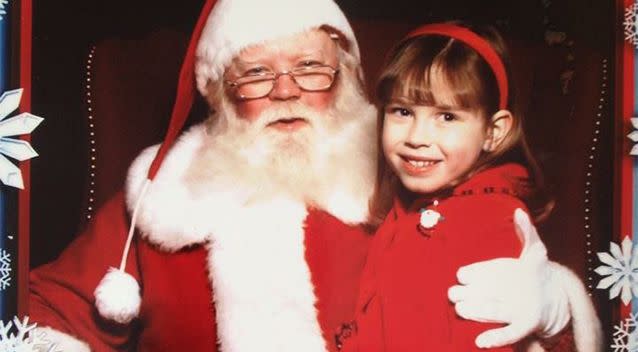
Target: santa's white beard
(336,149)
(284,159)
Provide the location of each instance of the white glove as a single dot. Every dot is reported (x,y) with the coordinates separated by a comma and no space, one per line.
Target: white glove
(524,293)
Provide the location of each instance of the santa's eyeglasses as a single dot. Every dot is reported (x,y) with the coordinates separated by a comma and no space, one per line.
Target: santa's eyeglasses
(259,84)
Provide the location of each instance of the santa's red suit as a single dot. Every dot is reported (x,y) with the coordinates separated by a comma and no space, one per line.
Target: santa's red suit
(219,262)
(282,278)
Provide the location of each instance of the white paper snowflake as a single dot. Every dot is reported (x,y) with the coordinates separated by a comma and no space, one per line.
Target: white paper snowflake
(625,335)
(634,136)
(5,269)
(24,338)
(631,31)
(23,123)
(621,270)
(3,8)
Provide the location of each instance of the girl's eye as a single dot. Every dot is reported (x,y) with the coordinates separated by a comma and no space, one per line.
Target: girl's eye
(400,111)
(447,116)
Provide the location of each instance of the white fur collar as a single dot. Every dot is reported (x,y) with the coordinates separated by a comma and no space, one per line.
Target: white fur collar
(263,291)
(177,212)
(264,296)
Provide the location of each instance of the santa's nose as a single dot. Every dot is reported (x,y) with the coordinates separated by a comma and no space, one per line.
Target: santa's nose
(285,88)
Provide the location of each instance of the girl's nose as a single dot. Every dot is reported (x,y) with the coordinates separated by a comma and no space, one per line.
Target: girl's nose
(420,134)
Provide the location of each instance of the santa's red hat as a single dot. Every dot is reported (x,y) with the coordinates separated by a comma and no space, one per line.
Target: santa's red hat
(236,24)
(223,29)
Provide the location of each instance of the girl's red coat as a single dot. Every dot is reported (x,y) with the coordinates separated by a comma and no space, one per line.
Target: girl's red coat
(403,303)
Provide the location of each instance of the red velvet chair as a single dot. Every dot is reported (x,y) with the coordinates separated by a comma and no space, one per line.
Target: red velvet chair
(130,86)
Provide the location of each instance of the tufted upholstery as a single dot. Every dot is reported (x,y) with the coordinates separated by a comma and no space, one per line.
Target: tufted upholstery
(130,89)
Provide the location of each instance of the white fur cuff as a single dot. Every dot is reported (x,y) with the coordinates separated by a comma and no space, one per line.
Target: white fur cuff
(586,326)
(62,341)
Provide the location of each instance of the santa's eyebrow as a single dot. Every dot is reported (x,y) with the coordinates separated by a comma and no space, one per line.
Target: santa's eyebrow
(241,62)
(317,53)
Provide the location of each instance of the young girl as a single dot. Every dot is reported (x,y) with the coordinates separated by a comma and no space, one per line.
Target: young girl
(456,168)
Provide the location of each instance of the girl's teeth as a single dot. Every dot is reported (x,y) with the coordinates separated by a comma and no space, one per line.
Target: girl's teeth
(420,163)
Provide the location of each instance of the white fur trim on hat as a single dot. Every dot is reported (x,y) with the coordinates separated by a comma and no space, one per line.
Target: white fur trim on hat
(236,24)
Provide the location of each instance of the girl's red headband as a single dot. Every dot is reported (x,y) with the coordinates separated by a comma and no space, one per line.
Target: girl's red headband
(474,41)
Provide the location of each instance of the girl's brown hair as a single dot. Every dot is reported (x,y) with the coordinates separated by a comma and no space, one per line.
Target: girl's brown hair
(407,75)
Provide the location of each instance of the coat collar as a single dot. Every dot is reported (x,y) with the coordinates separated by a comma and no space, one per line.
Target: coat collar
(508,178)
(179,211)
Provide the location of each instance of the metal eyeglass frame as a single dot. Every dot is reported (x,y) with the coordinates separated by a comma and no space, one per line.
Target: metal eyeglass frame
(234,84)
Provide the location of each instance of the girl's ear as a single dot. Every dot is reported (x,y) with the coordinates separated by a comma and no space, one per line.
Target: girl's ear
(498,128)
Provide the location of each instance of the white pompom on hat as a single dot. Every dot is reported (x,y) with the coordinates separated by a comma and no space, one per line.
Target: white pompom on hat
(117,297)
(236,24)
(223,29)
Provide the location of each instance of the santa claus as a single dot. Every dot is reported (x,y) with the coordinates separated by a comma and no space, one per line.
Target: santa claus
(246,232)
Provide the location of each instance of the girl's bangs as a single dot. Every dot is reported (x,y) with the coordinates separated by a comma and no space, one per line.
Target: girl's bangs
(411,77)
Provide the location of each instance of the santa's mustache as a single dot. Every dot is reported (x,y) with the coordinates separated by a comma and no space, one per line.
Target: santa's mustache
(289,111)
